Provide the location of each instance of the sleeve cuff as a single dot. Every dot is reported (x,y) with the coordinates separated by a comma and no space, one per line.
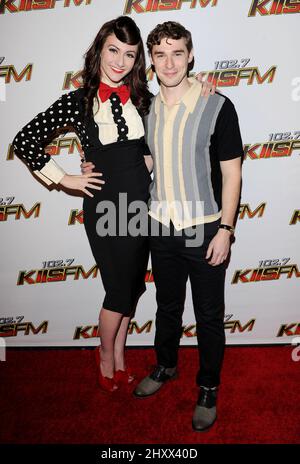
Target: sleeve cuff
(52,171)
(42,177)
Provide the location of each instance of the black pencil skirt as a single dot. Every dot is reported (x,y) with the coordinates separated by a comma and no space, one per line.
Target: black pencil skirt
(122,258)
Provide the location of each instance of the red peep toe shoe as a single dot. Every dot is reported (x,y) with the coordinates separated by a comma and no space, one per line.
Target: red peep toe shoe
(124,377)
(106,383)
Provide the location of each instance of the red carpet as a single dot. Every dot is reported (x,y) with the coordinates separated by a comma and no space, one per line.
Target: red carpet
(51,396)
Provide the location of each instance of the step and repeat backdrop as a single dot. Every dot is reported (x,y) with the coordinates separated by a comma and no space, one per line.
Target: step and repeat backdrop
(51,290)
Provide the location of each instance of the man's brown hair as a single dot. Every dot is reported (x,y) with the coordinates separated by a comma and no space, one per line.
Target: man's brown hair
(169,30)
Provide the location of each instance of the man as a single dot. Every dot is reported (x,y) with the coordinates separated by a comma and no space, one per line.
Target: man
(197,151)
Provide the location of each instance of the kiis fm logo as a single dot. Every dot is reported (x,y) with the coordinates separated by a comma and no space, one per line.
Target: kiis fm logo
(56,271)
(295,217)
(72,80)
(70,144)
(15,6)
(230,73)
(188,330)
(76,216)
(245,210)
(280,144)
(17,210)
(150,6)
(10,73)
(235,326)
(149,278)
(276,7)
(12,328)
(289,330)
(269,269)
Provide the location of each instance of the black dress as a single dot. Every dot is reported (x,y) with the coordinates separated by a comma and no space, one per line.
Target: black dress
(122,259)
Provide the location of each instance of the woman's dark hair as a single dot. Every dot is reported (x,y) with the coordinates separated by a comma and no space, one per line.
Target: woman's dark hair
(127,32)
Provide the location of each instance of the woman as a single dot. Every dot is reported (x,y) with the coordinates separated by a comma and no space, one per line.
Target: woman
(106,113)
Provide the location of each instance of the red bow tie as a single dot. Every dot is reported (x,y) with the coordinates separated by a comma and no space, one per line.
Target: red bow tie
(105,92)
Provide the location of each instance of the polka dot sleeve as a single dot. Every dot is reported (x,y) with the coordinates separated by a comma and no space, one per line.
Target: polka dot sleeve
(30,142)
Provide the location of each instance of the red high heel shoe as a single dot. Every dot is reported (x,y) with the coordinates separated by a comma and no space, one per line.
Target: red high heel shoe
(106,383)
(124,377)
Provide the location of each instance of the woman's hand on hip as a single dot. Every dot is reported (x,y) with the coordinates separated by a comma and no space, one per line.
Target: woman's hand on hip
(83,182)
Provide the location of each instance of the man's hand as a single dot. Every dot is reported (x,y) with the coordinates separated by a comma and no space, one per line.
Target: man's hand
(87,167)
(218,248)
(208,88)
(149,162)
(83,182)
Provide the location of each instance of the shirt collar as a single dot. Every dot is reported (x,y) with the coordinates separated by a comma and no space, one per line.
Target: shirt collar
(189,99)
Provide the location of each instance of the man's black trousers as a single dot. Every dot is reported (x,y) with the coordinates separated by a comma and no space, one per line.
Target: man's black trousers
(172,264)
